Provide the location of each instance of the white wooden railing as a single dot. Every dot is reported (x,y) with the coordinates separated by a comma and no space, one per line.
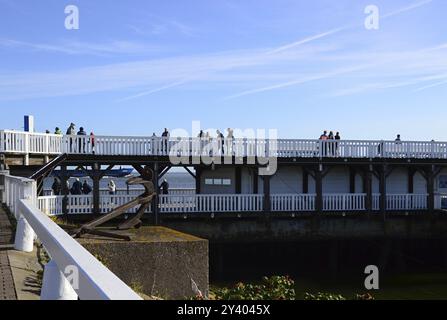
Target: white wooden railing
(293,202)
(90,279)
(344,202)
(407,201)
(210,203)
(37,143)
(83,204)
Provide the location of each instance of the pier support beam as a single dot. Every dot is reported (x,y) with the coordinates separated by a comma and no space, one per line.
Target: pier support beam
(65,189)
(430,176)
(96,177)
(267,202)
(305,181)
(319,189)
(383,170)
(352,175)
(156,200)
(238,180)
(255,182)
(198,179)
(411,172)
(367,188)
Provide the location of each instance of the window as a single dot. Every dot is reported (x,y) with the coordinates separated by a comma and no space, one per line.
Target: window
(442,182)
(218,182)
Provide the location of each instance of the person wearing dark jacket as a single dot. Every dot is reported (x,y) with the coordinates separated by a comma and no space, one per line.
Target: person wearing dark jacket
(76,189)
(71,132)
(81,140)
(165,138)
(86,189)
(56,187)
(165,187)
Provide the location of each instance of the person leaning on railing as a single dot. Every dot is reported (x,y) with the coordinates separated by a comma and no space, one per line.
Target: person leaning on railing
(71,132)
(92,141)
(81,133)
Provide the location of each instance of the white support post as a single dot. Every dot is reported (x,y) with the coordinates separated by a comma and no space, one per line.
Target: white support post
(24,240)
(27,149)
(2,141)
(55,284)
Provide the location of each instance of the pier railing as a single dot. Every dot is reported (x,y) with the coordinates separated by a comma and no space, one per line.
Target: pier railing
(89,279)
(37,143)
(211,203)
(231,203)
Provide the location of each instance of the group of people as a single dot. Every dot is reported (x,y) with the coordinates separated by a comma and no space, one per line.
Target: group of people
(79,188)
(81,142)
(330,136)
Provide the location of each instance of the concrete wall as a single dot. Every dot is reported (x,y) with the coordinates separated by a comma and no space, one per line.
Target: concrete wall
(163,268)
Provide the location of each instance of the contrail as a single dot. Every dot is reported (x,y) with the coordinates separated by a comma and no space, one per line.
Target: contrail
(337,30)
(437,84)
(408,8)
(298,81)
(306,40)
(316,37)
(146,93)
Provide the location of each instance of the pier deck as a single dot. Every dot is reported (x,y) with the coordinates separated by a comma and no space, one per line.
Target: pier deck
(7,288)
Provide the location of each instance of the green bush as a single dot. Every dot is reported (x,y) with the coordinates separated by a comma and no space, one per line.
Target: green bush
(324,297)
(273,288)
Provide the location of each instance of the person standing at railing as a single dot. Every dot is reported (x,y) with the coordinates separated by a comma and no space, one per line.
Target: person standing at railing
(76,189)
(71,131)
(56,187)
(92,142)
(220,142)
(81,140)
(337,138)
(165,138)
(230,141)
(57,131)
(112,187)
(323,138)
(331,145)
(164,187)
(86,189)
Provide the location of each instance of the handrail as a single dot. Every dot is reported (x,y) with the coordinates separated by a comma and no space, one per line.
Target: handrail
(92,280)
(38,143)
(95,281)
(221,203)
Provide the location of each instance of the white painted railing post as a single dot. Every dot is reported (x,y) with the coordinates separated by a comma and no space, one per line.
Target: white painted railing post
(2,141)
(27,149)
(55,285)
(24,240)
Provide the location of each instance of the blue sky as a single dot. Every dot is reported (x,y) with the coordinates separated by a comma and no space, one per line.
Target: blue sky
(137,66)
